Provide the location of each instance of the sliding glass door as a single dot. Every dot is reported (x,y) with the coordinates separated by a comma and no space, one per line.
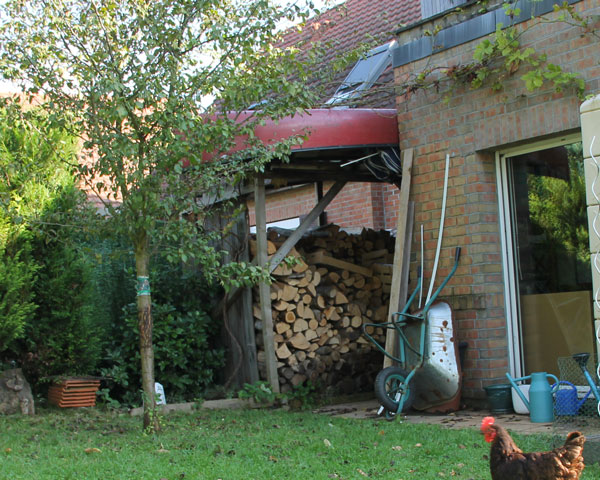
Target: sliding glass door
(549,264)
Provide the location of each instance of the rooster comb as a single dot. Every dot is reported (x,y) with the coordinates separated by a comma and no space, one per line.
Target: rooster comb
(486,422)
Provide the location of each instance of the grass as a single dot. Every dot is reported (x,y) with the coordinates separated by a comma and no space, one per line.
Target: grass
(240,444)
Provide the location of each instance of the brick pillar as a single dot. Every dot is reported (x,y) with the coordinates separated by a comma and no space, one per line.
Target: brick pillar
(590,130)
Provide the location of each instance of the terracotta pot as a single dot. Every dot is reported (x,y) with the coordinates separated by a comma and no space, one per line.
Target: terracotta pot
(74,392)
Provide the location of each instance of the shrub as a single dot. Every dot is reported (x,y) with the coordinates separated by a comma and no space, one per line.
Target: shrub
(185,360)
(62,338)
(17,275)
(45,315)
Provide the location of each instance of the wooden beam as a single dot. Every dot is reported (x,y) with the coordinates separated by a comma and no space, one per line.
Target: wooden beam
(285,248)
(399,251)
(319,194)
(320,258)
(263,288)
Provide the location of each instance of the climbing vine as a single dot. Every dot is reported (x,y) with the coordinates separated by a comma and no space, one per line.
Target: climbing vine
(502,55)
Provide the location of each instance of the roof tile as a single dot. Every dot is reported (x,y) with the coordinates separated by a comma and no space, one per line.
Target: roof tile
(353,23)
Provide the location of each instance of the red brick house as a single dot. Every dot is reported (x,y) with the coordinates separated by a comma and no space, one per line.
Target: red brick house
(523,293)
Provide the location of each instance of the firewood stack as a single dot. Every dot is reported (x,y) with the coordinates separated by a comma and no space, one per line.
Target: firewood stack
(319,304)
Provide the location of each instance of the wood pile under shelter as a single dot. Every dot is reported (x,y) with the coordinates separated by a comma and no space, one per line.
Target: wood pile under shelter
(335,283)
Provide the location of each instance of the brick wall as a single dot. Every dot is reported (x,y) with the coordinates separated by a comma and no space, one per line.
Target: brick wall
(358,205)
(471,126)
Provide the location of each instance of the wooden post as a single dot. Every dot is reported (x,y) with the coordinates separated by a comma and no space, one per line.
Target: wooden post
(263,288)
(399,252)
(241,365)
(248,356)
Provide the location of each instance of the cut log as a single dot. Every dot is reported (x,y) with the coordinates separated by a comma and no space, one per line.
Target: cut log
(318,301)
(353,309)
(331,313)
(356,321)
(288,293)
(282,270)
(310,335)
(308,314)
(333,278)
(340,298)
(281,306)
(283,351)
(299,341)
(300,266)
(282,327)
(300,325)
(290,317)
(300,355)
(359,281)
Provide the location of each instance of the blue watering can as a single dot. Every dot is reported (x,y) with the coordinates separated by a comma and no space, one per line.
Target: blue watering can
(566,401)
(540,395)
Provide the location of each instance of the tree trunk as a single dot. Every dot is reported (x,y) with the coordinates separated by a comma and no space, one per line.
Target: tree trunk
(145,324)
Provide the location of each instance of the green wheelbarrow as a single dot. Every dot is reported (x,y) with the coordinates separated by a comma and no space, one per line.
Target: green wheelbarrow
(426,370)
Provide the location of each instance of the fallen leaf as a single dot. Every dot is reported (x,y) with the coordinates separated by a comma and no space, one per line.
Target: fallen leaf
(361,472)
(397,447)
(462,447)
(418,444)
(327,443)
(8,450)
(92,450)
(381,432)
(272,459)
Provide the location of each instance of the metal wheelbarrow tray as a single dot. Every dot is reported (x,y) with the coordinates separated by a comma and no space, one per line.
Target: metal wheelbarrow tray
(437,382)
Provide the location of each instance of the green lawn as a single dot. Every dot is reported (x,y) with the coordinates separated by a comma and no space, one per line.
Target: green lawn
(239,444)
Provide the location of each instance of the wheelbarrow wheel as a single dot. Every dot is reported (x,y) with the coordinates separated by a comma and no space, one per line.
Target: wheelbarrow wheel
(391,386)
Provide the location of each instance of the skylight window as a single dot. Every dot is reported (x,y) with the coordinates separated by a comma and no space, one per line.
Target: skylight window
(364,73)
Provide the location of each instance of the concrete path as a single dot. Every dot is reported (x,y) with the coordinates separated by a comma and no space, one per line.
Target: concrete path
(460,419)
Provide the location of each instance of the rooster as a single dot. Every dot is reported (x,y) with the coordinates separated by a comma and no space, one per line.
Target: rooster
(508,462)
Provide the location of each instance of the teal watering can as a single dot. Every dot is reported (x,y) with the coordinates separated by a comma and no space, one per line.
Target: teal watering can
(540,405)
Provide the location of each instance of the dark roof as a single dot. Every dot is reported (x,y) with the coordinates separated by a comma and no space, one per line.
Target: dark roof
(352,24)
